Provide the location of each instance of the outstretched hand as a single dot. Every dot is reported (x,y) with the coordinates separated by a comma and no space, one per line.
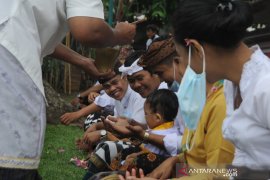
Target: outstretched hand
(92,138)
(165,169)
(92,96)
(119,125)
(68,118)
(92,70)
(137,130)
(132,175)
(75,102)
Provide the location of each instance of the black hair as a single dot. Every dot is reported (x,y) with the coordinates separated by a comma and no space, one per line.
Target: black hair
(133,57)
(165,102)
(221,23)
(153,28)
(115,70)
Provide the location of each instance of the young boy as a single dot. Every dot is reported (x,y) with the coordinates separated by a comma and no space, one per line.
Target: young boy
(160,109)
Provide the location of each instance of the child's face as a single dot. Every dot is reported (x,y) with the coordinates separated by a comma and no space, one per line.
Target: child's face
(153,119)
(116,87)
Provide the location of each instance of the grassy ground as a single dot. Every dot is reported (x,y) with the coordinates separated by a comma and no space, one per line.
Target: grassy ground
(58,149)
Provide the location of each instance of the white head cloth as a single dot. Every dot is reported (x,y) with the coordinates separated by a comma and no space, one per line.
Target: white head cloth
(130,69)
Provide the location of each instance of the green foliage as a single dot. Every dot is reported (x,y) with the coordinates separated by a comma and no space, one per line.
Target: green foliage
(158,9)
(54,163)
(155,10)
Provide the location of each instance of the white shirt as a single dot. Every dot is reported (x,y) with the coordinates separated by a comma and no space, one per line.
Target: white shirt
(31,29)
(173,141)
(248,127)
(170,151)
(163,85)
(131,106)
(104,100)
(149,41)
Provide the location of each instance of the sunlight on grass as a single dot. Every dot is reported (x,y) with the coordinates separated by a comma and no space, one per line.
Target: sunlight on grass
(55,164)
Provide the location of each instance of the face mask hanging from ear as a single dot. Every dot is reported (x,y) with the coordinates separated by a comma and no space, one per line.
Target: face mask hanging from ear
(175,85)
(192,96)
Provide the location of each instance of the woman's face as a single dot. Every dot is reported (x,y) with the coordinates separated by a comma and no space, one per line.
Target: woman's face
(196,62)
(143,82)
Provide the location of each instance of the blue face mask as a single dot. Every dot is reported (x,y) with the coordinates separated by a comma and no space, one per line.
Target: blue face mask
(192,96)
(175,85)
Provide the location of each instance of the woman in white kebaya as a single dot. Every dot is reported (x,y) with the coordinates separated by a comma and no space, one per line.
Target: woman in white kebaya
(214,30)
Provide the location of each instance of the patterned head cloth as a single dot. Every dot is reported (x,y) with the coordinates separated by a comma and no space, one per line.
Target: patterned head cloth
(157,52)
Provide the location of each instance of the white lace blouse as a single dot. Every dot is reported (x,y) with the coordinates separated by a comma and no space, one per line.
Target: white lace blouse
(248,127)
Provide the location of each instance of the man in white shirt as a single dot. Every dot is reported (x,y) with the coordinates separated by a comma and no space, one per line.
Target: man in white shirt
(140,80)
(143,83)
(128,104)
(30,30)
(151,33)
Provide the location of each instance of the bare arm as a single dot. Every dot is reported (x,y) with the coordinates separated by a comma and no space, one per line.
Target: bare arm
(68,55)
(154,139)
(97,88)
(67,118)
(134,129)
(89,109)
(77,100)
(96,32)
(157,140)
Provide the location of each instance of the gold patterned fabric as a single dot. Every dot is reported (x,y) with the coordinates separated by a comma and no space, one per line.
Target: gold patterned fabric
(157,52)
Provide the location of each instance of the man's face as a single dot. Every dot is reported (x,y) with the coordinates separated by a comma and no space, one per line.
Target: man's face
(116,87)
(150,33)
(143,82)
(165,73)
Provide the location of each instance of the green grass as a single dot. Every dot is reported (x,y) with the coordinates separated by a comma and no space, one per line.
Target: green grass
(55,165)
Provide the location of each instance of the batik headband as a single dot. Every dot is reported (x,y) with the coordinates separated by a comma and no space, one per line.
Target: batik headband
(157,52)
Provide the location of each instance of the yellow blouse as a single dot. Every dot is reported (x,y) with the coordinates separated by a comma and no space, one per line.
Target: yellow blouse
(210,148)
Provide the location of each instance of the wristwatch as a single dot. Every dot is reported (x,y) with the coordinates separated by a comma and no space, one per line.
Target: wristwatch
(146,137)
(103,135)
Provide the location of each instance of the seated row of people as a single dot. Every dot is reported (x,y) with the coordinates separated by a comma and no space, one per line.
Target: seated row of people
(140,77)
(200,38)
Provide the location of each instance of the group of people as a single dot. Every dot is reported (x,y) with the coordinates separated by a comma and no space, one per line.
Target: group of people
(198,99)
(155,121)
